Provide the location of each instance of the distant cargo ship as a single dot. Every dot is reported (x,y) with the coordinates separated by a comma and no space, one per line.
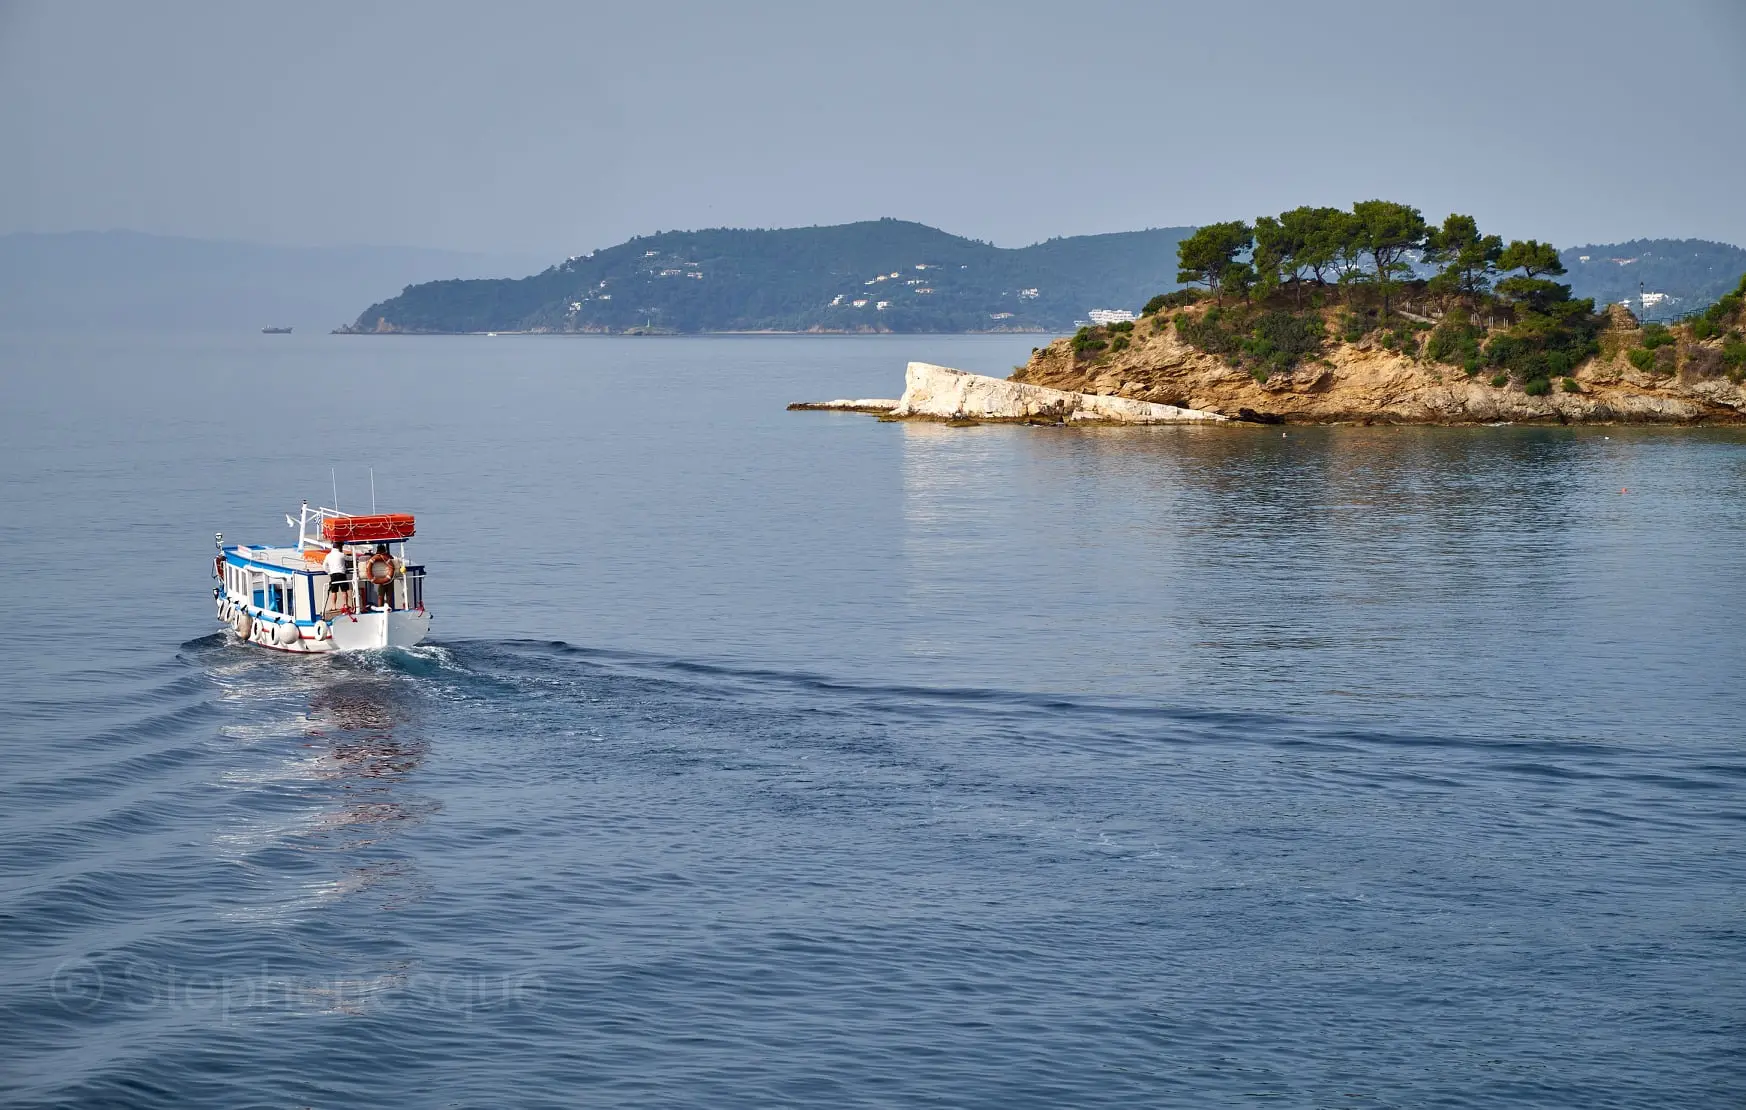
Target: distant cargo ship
(275,331)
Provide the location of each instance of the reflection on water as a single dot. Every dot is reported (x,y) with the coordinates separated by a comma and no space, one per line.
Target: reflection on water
(1257,568)
(337,792)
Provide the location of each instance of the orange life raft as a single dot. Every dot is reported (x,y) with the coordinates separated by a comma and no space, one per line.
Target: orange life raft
(380,528)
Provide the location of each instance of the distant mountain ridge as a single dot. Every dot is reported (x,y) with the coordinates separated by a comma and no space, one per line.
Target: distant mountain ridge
(129,280)
(780,280)
(898,276)
(878,275)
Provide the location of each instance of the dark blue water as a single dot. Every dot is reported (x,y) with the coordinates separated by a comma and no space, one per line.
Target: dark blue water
(763,758)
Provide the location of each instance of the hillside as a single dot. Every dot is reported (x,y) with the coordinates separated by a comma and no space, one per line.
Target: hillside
(124,280)
(897,276)
(875,276)
(1677,276)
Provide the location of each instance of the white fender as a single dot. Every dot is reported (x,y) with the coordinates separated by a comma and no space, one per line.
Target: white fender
(321,630)
(244,624)
(286,633)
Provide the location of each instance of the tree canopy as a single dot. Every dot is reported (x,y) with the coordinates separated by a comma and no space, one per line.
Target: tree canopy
(1469,259)
(1369,253)
(1320,236)
(1532,257)
(1386,231)
(1209,256)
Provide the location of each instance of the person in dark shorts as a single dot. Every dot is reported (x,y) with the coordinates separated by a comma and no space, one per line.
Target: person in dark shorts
(338,581)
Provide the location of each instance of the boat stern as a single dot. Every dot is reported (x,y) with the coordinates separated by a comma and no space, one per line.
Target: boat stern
(399,628)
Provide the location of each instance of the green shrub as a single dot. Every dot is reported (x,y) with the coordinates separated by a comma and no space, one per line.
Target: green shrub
(1204,332)
(1656,335)
(1570,386)
(1455,340)
(1641,357)
(1261,374)
(1087,341)
(1245,337)
(1119,343)
(1182,298)
(1724,312)
(1284,338)
(1500,380)
(1537,387)
(1549,338)
(1353,327)
(1121,326)
(1734,354)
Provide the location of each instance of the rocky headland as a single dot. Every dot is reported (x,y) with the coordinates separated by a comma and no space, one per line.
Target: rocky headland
(1373,382)
(1159,376)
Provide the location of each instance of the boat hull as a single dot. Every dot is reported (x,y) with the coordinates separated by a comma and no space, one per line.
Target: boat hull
(369,631)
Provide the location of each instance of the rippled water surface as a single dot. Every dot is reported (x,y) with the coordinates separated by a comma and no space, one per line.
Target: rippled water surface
(769,758)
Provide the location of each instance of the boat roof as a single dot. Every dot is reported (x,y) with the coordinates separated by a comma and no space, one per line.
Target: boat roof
(292,558)
(285,558)
(335,529)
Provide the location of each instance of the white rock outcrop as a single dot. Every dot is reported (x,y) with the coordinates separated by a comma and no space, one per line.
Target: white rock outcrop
(942,393)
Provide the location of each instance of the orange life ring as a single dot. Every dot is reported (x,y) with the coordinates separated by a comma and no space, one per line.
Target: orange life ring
(386,563)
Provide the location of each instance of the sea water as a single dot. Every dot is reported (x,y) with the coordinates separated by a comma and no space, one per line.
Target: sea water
(767,758)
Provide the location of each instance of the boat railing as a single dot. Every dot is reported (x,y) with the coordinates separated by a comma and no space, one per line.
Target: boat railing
(414,579)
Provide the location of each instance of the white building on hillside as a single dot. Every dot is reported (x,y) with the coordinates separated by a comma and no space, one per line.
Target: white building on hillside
(1104,316)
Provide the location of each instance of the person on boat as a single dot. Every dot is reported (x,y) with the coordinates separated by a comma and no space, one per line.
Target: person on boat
(337,581)
(385,591)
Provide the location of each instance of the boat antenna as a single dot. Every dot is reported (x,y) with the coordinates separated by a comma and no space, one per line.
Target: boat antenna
(334,478)
(372,490)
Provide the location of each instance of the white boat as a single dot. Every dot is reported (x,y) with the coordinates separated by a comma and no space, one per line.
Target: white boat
(346,585)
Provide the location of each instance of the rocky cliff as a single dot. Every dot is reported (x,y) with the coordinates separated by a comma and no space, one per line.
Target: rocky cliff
(1366,383)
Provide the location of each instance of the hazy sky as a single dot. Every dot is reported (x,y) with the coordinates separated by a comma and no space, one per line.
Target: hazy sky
(560,127)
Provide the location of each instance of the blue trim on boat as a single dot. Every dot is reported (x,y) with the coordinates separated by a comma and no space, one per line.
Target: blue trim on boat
(232,557)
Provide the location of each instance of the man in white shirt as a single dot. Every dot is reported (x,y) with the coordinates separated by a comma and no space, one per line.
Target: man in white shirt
(338,581)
